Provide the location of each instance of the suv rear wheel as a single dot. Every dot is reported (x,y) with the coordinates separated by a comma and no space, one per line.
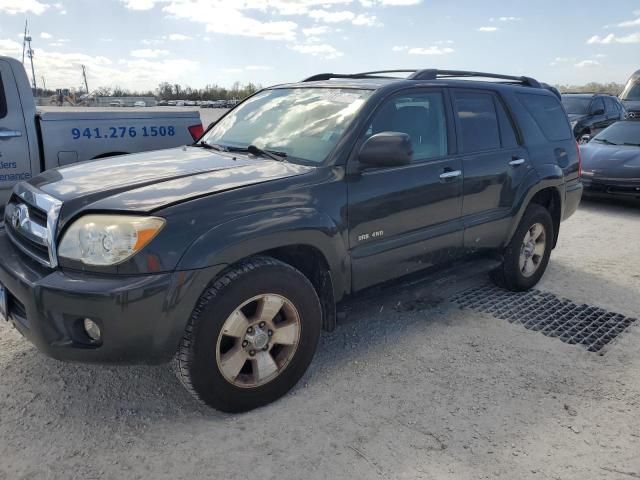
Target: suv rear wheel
(527,255)
(251,336)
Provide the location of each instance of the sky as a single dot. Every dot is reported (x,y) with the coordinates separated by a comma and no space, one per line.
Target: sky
(136,44)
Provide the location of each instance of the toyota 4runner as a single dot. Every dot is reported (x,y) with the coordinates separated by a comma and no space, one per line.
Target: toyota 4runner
(229,256)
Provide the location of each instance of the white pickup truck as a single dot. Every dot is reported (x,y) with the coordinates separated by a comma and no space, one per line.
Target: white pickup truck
(31,141)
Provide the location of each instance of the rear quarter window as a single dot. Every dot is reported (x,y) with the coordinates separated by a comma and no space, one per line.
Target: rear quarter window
(3,100)
(548,114)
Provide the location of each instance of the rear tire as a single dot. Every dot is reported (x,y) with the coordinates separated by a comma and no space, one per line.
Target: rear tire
(251,336)
(527,254)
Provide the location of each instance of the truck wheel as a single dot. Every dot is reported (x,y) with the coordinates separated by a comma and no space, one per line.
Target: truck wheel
(527,255)
(251,336)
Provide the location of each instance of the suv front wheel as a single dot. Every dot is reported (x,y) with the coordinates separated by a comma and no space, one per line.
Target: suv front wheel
(251,336)
(527,255)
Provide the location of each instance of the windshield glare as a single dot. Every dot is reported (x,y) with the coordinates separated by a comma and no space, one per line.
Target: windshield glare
(620,133)
(576,105)
(632,91)
(303,123)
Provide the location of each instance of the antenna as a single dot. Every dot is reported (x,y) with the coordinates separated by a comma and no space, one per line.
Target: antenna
(84,75)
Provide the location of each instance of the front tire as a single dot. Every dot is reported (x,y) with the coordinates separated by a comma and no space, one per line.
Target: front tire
(527,255)
(251,336)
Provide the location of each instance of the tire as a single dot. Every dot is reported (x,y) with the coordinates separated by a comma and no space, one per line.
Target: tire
(510,274)
(208,358)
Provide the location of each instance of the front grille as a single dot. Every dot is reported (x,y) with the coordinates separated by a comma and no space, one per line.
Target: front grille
(30,216)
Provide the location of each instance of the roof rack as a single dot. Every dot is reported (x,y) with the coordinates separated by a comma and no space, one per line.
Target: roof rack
(589,93)
(426,74)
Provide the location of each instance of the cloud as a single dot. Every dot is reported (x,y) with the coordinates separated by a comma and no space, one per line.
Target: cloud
(148,53)
(509,19)
(314,31)
(432,50)
(612,38)
(139,4)
(332,17)
(587,63)
(178,37)
(366,20)
(45,35)
(488,29)
(10,47)
(22,6)
(400,48)
(389,3)
(258,67)
(317,50)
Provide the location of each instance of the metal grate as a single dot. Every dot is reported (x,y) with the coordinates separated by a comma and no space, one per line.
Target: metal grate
(585,325)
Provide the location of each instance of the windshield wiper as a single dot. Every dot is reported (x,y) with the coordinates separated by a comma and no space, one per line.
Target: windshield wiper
(278,156)
(211,146)
(604,140)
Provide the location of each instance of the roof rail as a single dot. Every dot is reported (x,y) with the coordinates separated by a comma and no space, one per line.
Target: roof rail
(589,93)
(376,74)
(427,74)
(433,74)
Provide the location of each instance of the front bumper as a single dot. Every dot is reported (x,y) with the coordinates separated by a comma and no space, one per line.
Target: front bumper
(604,187)
(142,318)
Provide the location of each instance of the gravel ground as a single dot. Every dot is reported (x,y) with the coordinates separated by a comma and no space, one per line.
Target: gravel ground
(409,386)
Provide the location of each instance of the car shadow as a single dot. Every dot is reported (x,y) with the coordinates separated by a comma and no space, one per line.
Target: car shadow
(141,394)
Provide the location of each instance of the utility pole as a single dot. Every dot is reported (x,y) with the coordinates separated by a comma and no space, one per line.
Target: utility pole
(84,75)
(26,45)
(44,84)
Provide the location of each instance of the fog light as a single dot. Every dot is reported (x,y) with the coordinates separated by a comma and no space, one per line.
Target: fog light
(92,330)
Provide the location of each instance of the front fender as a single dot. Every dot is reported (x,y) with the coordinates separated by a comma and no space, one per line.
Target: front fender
(240,238)
(544,176)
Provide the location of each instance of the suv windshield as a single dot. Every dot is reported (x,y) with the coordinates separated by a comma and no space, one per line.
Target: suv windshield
(620,133)
(632,90)
(576,105)
(303,124)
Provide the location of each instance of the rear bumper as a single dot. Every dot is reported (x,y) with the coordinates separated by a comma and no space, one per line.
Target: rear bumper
(573,195)
(142,318)
(612,188)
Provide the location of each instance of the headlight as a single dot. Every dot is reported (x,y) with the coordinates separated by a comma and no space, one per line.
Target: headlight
(108,239)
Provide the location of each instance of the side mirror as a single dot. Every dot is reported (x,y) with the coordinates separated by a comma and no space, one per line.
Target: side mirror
(599,111)
(585,139)
(386,149)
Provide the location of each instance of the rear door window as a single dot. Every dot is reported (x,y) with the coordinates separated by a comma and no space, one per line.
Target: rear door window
(478,121)
(507,132)
(548,115)
(3,100)
(597,104)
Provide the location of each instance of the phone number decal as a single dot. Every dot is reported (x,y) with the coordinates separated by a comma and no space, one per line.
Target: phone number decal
(121,132)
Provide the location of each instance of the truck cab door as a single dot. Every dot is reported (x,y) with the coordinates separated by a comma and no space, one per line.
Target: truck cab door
(406,218)
(15,162)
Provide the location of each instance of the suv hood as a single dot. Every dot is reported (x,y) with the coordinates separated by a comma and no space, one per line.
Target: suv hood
(631,105)
(151,180)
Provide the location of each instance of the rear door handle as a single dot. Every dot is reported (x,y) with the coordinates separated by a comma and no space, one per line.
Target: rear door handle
(517,161)
(450,174)
(10,134)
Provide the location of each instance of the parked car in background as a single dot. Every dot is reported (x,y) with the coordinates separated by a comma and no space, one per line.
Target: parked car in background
(139,103)
(229,256)
(31,141)
(171,103)
(180,103)
(116,103)
(162,103)
(611,161)
(590,113)
(630,96)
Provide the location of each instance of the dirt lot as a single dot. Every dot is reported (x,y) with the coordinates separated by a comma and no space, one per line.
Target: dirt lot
(408,386)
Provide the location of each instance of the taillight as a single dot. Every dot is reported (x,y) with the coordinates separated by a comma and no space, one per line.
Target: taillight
(579,160)
(196,131)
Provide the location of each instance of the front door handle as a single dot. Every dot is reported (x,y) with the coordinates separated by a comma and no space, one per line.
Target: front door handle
(10,134)
(450,174)
(517,161)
